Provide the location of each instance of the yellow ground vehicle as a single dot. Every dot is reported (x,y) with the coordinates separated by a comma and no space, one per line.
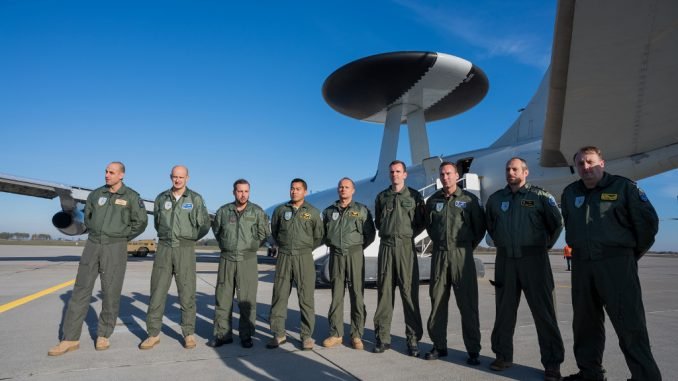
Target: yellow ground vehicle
(142,247)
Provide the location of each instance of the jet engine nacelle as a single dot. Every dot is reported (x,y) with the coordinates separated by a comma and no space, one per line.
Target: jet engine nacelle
(70,223)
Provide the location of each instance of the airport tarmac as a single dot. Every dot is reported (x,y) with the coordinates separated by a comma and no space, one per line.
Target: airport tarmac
(28,330)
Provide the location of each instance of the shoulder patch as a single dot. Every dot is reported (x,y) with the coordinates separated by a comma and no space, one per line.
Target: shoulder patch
(642,195)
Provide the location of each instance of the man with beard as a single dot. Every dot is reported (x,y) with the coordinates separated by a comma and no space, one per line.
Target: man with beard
(524,221)
(240,227)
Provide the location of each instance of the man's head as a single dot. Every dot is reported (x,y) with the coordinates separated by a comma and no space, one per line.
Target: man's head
(590,165)
(179,177)
(516,172)
(298,190)
(345,189)
(448,176)
(397,173)
(241,191)
(115,171)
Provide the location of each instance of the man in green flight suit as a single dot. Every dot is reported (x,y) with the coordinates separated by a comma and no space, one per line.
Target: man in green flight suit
(240,227)
(399,216)
(181,219)
(610,224)
(114,215)
(349,228)
(297,228)
(524,221)
(455,222)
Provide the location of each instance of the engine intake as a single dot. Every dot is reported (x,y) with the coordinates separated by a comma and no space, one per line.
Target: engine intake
(70,223)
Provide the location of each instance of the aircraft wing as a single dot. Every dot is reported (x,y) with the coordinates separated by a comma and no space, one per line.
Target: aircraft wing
(614,79)
(69,196)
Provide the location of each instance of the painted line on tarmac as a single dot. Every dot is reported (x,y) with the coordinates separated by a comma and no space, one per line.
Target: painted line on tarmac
(39,294)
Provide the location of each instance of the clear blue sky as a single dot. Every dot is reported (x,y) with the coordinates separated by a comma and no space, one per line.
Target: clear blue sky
(232,89)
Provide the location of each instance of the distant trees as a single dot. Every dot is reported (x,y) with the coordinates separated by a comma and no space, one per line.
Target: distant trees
(25,236)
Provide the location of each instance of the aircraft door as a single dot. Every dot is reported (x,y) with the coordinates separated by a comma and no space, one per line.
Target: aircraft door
(431,165)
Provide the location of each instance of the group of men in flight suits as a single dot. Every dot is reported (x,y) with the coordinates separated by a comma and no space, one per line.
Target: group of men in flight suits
(609,224)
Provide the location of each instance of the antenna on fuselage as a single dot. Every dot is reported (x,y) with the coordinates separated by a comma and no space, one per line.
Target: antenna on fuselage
(405,87)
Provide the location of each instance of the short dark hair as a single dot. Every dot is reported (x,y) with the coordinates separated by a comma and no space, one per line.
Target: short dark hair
(394,162)
(346,178)
(122,166)
(446,163)
(298,180)
(588,149)
(520,159)
(240,182)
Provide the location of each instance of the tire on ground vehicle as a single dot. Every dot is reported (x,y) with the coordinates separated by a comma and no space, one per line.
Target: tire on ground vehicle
(141,252)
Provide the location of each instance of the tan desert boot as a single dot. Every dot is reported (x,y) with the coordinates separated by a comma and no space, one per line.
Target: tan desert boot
(307,345)
(150,342)
(332,341)
(189,342)
(102,343)
(63,347)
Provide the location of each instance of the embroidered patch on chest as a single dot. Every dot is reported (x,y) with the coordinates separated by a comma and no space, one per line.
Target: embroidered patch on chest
(608,197)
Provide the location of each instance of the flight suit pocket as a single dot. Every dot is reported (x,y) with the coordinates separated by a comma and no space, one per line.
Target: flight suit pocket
(604,208)
(385,217)
(622,216)
(221,274)
(256,241)
(536,221)
(358,226)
